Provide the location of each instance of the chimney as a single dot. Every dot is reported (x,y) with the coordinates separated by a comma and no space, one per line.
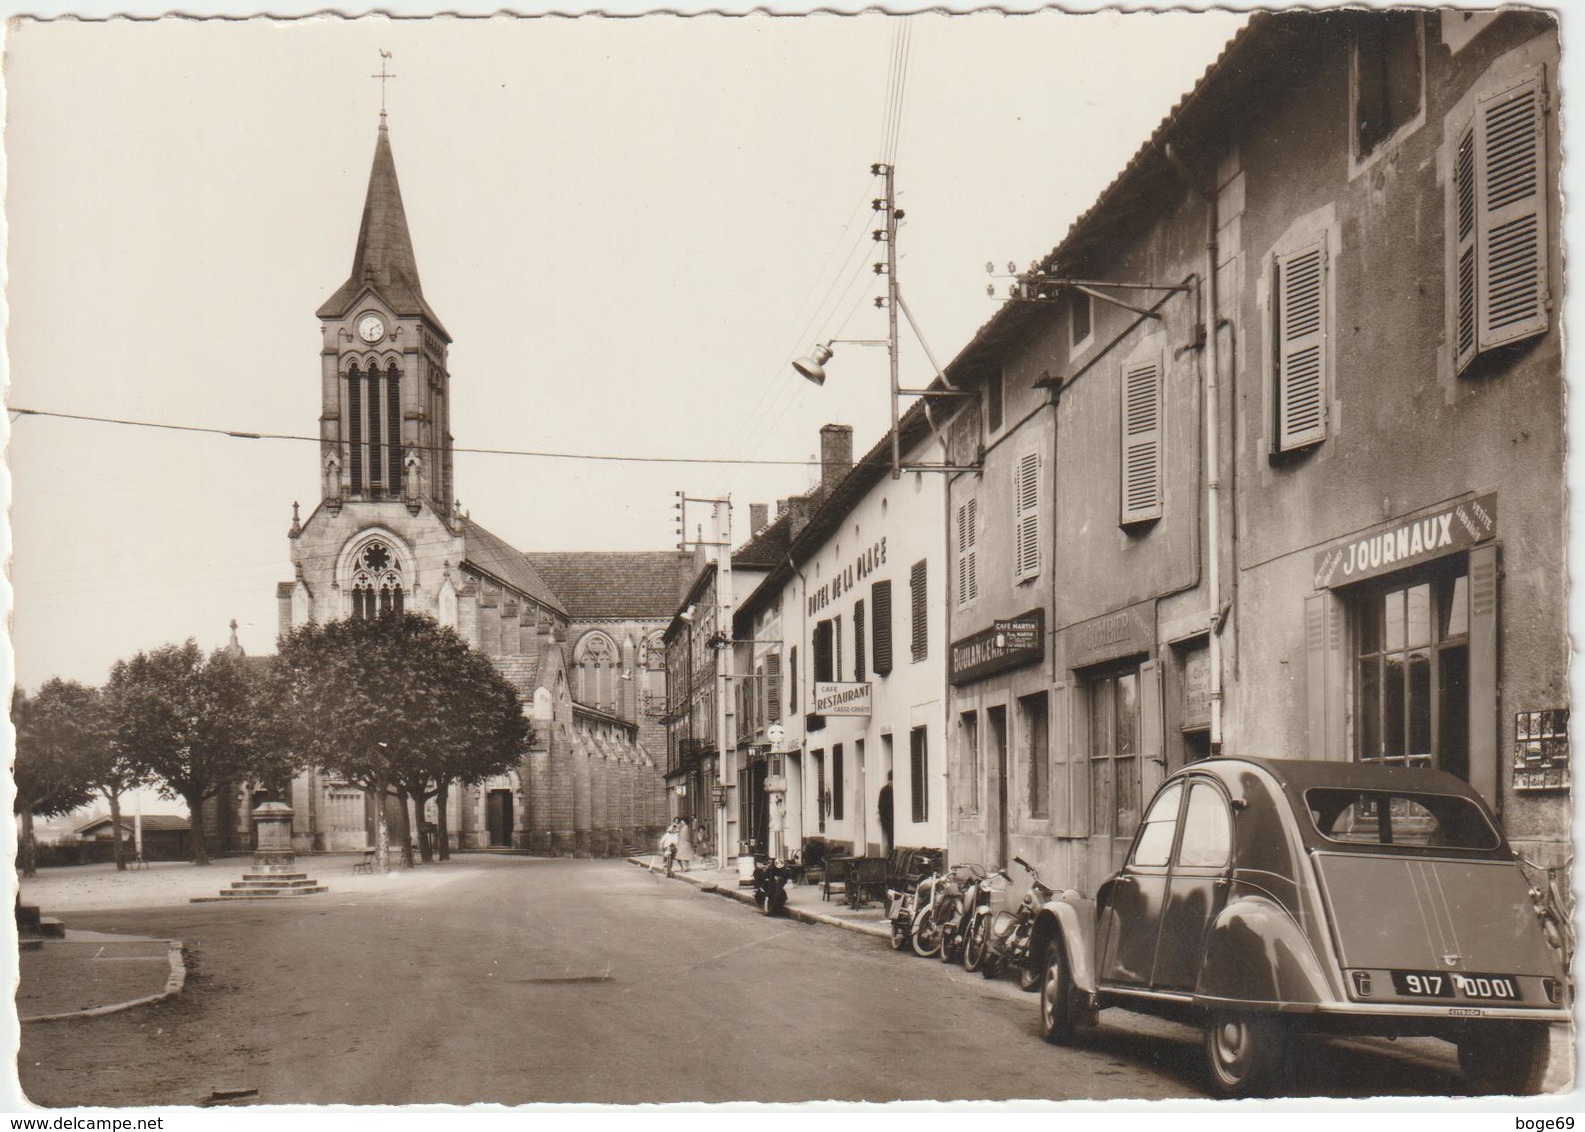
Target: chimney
(836,455)
(781,508)
(803,509)
(758,515)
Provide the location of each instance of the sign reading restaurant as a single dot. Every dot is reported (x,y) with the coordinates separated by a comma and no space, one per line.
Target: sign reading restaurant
(1006,644)
(835,698)
(1407,542)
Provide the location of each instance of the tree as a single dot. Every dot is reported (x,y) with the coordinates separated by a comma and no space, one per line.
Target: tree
(107,769)
(400,706)
(195,724)
(58,734)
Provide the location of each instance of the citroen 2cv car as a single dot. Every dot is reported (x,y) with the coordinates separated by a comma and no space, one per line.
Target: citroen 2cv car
(1263,898)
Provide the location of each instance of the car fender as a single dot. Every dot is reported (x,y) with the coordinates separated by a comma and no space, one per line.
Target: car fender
(1255,952)
(1071,918)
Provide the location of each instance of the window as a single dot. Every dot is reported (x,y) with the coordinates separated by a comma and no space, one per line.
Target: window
(1412,671)
(968,556)
(969,762)
(376,582)
(1160,828)
(1141,442)
(597,667)
(1114,753)
(756,697)
(822,795)
(838,782)
(375,454)
(1081,320)
(858,640)
(920,601)
(1497,221)
(792,680)
(773,687)
(919,767)
(836,648)
(1387,76)
(881,612)
(1355,817)
(1026,516)
(993,401)
(822,651)
(1301,362)
(1035,753)
(1207,829)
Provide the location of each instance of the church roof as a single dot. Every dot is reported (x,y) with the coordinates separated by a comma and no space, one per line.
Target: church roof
(642,585)
(495,557)
(384,257)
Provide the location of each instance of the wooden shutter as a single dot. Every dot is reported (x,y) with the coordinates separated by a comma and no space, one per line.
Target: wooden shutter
(1510,222)
(1152,730)
(1462,228)
(1326,677)
(858,639)
(792,681)
(822,648)
(881,622)
(773,687)
(1484,762)
(1301,347)
(920,601)
(1141,442)
(1063,802)
(835,666)
(1026,529)
(968,556)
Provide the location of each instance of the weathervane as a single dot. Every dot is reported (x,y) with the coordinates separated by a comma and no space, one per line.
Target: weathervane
(382,76)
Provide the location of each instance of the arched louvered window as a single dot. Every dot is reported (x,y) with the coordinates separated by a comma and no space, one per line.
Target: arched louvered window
(393,429)
(597,672)
(355,427)
(376,582)
(374,431)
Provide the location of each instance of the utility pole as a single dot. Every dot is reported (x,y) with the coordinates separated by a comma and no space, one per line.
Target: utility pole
(726,749)
(891,305)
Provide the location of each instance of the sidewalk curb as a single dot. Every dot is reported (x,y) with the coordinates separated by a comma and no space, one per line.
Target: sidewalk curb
(875,930)
(174,982)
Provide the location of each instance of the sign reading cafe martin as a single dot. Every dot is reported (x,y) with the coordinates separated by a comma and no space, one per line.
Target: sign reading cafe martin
(1407,542)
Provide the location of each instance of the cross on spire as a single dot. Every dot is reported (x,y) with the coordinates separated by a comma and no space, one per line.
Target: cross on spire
(382,76)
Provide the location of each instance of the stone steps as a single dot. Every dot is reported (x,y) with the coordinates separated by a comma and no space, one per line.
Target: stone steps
(266,886)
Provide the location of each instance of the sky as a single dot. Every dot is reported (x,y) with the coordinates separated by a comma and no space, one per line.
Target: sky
(629,227)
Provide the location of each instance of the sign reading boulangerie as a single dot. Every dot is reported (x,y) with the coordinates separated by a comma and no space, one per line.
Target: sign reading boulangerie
(1407,542)
(835,698)
(1006,644)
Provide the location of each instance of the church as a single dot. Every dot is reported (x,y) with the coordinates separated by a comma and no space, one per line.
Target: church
(578,633)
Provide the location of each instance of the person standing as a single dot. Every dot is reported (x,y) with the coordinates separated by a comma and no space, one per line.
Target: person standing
(884,805)
(668,847)
(685,844)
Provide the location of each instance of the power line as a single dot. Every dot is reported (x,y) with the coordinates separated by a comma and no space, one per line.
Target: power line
(238,434)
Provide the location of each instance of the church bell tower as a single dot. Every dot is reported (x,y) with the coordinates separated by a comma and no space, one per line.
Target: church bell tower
(385,431)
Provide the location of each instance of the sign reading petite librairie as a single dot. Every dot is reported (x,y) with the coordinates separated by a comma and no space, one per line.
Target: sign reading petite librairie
(836,698)
(1407,542)
(1006,644)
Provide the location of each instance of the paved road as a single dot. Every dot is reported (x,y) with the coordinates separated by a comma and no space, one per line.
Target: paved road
(524,980)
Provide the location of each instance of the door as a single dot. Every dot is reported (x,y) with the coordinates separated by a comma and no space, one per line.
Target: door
(861,813)
(1135,896)
(996,765)
(1198,887)
(498,817)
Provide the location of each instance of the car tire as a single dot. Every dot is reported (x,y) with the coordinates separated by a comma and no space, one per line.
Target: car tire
(1056,995)
(925,935)
(1506,1060)
(1244,1052)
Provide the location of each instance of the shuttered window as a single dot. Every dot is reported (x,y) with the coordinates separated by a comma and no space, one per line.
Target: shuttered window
(1026,528)
(968,556)
(881,617)
(773,688)
(792,681)
(919,599)
(1498,220)
(858,640)
(919,774)
(822,651)
(1141,442)
(993,401)
(1301,362)
(355,428)
(836,648)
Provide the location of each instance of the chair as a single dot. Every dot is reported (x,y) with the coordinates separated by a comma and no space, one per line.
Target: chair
(367,864)
(837,873)
(866,881)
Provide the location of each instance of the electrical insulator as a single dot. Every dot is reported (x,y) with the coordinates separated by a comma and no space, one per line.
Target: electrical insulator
(990,289)
(878,235)
(880,269)
(990,268)
(878,204)
(1012,268)
(880,301)
(899,214)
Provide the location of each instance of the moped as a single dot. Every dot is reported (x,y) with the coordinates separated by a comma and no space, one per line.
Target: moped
(770,884)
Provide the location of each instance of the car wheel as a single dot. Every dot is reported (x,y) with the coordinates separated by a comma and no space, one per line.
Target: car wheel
(1056,995)
(926,935)
(1244,1052)
(1504,1060)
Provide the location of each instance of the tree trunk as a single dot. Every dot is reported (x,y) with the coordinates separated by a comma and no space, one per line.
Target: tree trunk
(442,833)
(30,851)
(195,819)
(114,797)
(382,833)
(406,830)
(425,850)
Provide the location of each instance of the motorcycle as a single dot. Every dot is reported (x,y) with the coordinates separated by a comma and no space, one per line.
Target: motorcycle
(771,875)
(900,904)
(977,952)
(1009,932)
(955,927)
(939,903)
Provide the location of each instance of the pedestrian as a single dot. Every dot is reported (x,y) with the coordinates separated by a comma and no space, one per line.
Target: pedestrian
(685,844)
(668,847)
(884,805)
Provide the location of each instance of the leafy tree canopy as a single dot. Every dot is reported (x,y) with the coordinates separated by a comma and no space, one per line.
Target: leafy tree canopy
(60,733)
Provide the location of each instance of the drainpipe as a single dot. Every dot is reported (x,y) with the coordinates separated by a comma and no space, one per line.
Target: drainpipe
(1213,451)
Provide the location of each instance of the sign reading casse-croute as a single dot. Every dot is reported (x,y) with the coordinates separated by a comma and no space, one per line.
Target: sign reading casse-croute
(835,698)
(1405,542)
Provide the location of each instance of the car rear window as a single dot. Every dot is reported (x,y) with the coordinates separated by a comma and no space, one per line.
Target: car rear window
(1383,818)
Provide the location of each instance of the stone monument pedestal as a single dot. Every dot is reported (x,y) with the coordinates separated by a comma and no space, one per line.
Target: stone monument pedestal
(274,872)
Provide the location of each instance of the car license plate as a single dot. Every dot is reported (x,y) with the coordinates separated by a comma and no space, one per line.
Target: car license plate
(1455,984)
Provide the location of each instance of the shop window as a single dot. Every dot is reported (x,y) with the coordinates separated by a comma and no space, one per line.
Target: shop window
(919,767)
(969,762)
(967,554)
(1141,442)
(1035,753)
(1114,753)
(1302,352)
(1497,221)
(1411,671)
(1388,76)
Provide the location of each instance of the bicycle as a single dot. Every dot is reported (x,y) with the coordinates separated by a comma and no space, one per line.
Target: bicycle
(1554,904)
